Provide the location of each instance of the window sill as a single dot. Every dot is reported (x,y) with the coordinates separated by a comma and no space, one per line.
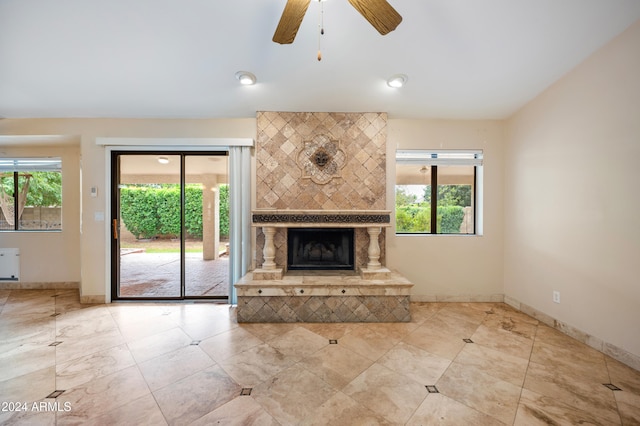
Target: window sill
(31,231)
(415,234)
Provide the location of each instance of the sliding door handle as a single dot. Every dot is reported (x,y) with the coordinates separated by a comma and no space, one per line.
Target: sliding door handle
(115,229)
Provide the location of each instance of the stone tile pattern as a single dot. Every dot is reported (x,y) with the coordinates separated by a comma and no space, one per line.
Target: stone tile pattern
(133,363)
(321,159)
(280,183)
(281,138)
(323,309)
(360,252)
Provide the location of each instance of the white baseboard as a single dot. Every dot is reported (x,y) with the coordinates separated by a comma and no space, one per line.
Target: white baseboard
(609,349)
(93,299)
(496,298)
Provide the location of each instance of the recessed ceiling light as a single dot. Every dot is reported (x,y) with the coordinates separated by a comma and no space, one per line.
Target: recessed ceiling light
(398,80)
(163,160)
(246,78)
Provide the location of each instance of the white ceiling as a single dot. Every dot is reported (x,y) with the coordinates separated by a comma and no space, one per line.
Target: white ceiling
(177,58)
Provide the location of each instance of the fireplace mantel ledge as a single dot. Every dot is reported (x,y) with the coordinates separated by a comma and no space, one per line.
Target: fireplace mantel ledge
(321,218)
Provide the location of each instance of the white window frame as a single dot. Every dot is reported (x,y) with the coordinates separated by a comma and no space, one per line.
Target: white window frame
(448,157)
(32,164)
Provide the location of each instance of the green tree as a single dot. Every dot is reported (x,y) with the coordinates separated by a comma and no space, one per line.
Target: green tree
(427,194)
(404,199)
(454,195)
(45,188)
(450,195)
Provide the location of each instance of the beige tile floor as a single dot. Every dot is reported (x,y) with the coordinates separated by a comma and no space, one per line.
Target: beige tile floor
(175,363)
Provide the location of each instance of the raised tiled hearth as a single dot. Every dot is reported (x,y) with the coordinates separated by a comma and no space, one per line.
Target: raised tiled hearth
(324,309)
(324,297)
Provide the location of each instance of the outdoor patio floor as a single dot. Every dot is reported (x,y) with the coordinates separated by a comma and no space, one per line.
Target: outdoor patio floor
(157,275)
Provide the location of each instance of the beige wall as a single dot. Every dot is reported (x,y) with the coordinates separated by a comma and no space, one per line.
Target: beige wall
(446,267)
(464,265)
(571,197)
(51,256)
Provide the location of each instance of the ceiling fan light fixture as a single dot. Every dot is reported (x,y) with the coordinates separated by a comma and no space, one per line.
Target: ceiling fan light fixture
(246,78)
(163,160)
(398,80)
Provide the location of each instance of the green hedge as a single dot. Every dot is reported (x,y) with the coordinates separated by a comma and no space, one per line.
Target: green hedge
(224,211)
(450,218)
(155,212)
(138,208)
(416,218)
(413,218)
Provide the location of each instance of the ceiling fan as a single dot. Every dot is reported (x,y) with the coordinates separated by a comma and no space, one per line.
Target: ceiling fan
(379,13)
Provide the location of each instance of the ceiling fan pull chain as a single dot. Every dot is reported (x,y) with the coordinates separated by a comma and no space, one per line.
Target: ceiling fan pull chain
(321,26)
(321,17)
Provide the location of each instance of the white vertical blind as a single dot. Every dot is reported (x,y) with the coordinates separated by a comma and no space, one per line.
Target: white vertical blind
(239,216)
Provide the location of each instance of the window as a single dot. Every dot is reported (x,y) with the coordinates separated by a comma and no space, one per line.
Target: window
(436,191)
(30,194)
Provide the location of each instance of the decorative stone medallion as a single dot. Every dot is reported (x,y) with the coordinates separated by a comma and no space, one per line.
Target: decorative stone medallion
(321,159)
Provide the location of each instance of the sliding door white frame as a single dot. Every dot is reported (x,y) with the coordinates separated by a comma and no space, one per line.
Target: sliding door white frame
(239,193)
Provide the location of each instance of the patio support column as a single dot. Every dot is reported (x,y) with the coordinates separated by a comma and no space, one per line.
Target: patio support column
(210,219)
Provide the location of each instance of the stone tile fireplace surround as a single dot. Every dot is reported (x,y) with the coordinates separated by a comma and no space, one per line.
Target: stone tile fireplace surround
(321,170)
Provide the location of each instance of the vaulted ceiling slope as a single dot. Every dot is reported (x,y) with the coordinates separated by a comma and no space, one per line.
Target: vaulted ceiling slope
(177,59)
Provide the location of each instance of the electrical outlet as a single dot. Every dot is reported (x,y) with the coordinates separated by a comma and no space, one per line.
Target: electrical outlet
(556,297)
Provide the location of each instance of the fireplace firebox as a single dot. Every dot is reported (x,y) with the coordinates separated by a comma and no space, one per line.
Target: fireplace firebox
(320,249)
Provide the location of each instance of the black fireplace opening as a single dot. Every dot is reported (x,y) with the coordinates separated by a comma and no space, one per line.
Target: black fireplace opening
(320,249)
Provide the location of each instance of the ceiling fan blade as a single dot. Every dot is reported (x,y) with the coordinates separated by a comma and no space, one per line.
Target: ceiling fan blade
(379,13)
(290,21)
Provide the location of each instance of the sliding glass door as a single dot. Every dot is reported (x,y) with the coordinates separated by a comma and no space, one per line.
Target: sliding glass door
(206,226)
(170,225)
